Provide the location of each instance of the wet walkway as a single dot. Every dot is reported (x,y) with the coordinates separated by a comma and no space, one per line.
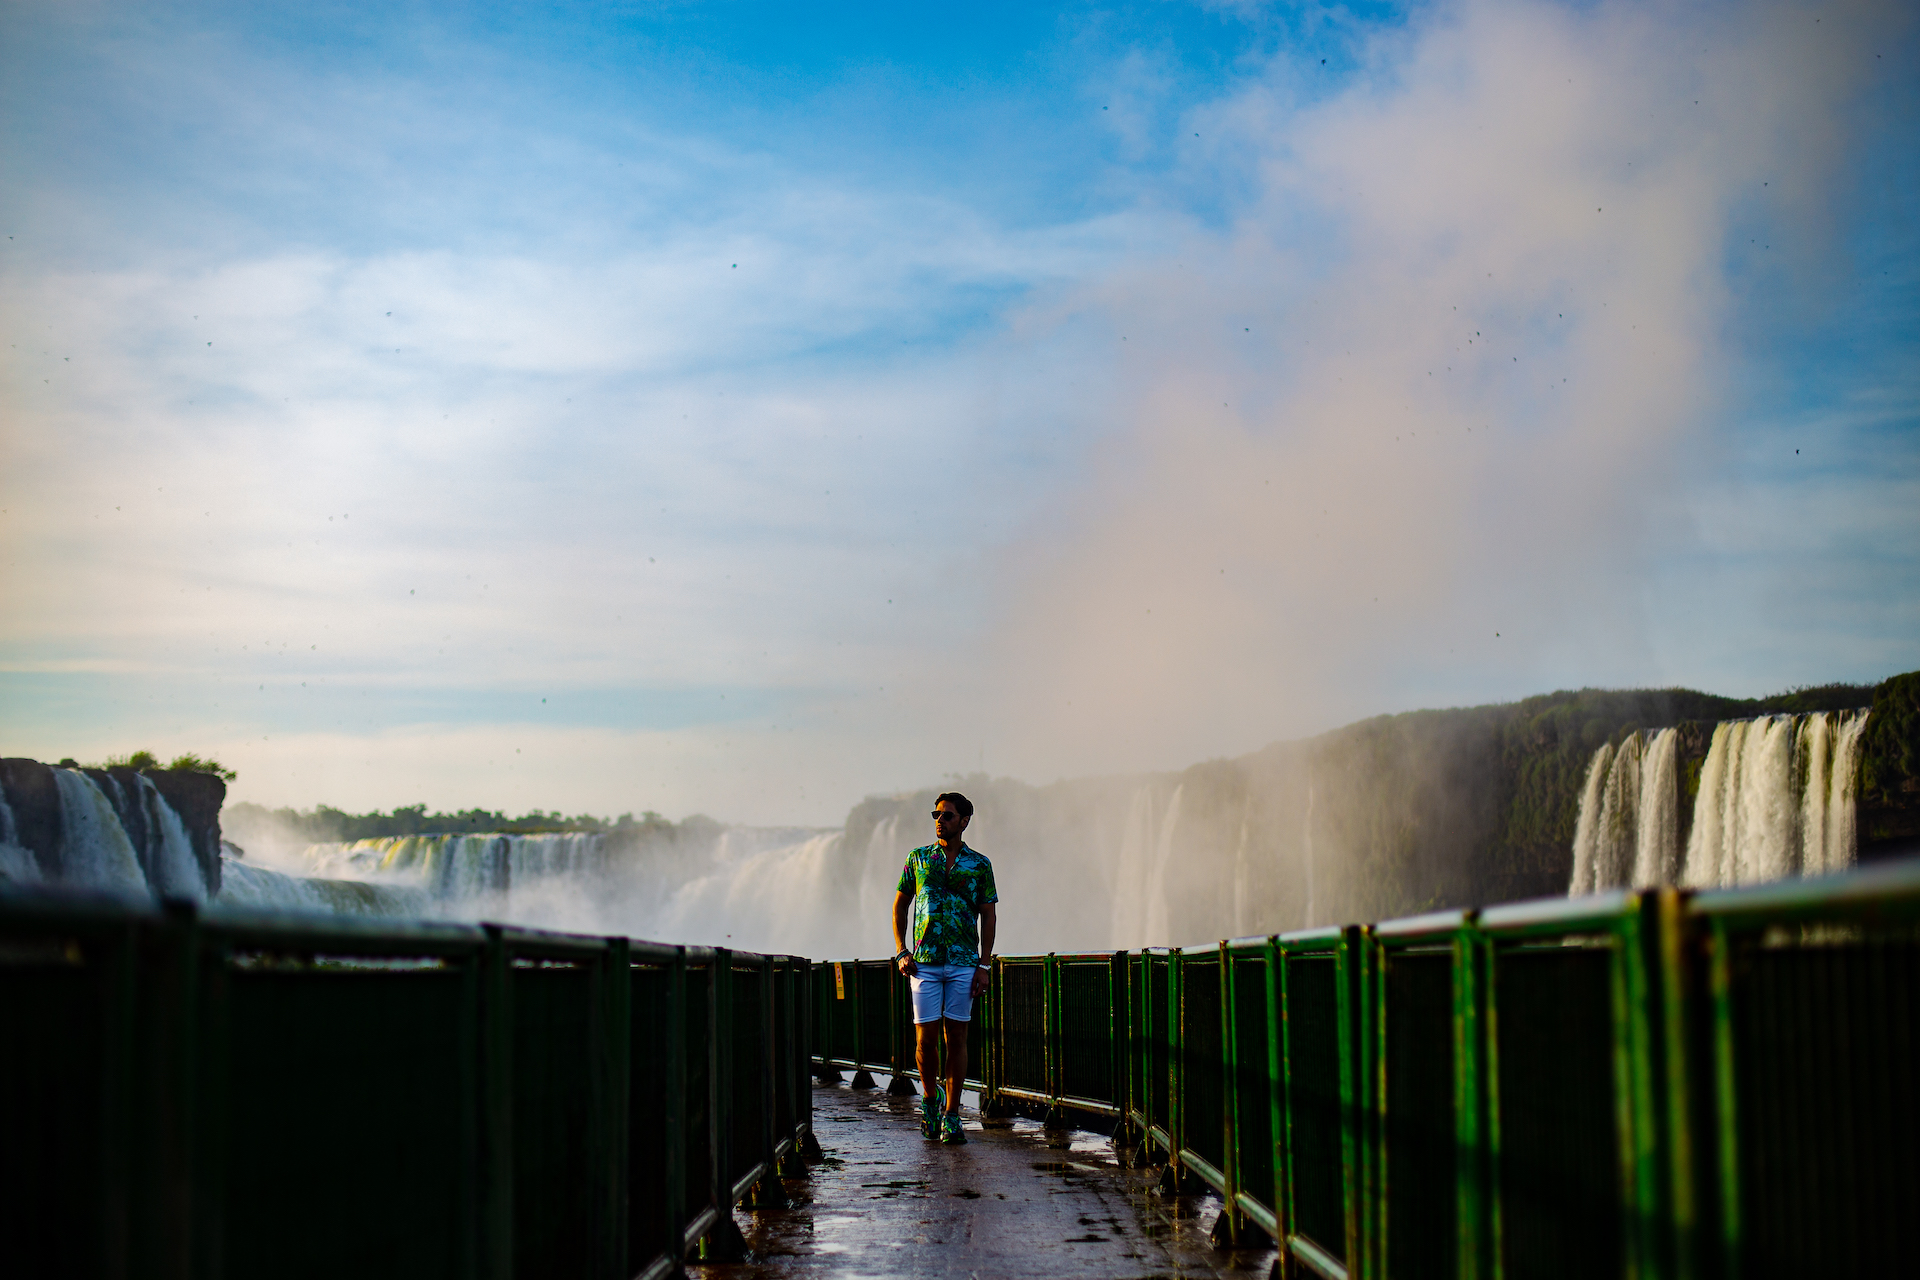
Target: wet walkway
(1010,1204)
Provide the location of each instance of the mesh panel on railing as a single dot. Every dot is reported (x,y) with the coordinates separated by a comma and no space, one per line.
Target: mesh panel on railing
(66,1030)
(976,1035)
(876,1021)
(785,1048)
(1159,1069)
(699,1157)
(648,1231)
(1420,1176)
(556,1109)
(846,1024)
(1087,1030)
(1135,998)
(821,977)
(1559,1178)
(1203,1127)
(748,1142)
(1313,1103)
(384,1111)
(1253,1078)
(1829,1127)
(1025,1035)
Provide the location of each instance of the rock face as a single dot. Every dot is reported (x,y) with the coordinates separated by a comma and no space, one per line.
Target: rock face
(27,786)
(81,827)
(1890,770)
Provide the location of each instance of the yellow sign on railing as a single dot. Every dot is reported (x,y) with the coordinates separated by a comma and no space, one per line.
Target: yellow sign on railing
(839,982)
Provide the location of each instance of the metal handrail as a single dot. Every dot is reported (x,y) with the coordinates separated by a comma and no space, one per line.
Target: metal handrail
(1375,1092)
(497,1101)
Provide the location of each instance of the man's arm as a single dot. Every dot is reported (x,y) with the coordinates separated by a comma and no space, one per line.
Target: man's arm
(902,910)
(989,923)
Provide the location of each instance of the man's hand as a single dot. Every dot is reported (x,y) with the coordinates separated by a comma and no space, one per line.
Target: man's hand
(979,982)
(906,965)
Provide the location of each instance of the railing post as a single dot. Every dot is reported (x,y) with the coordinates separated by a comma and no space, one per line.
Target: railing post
(1173,1180)
(1274,976)
(813,1009)
(1472,1098)
(496,1109)
(674,1105)
(615,984)
(768,1192)
(862,1078)
(1118,1027)
(1229,1227)
(900,1031)
(1682,1198)
(164,1123)
(723,1241)
(1349,995)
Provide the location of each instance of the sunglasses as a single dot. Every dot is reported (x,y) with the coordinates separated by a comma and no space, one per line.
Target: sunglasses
(946,813)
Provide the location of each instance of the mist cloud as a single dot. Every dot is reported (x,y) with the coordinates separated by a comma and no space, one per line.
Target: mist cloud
(1426,413)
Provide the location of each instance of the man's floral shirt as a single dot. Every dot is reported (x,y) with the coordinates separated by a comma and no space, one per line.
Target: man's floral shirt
(946,903)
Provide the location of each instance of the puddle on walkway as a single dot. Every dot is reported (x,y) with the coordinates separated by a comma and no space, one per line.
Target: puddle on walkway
(1015,1201)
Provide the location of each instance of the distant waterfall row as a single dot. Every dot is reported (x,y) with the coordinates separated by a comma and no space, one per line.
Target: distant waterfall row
(451,867)
(1776,799)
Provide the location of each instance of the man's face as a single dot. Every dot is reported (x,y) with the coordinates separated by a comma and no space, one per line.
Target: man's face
(948,822)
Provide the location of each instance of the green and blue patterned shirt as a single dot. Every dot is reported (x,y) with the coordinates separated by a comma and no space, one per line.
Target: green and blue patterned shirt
(946,903)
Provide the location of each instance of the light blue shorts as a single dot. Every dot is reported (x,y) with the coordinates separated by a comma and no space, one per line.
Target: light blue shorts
(942,991)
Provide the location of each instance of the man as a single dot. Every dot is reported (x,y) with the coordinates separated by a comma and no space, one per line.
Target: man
(948,891)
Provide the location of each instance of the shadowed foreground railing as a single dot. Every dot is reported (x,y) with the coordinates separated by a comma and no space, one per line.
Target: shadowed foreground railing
(1717,1085)
(275,1096)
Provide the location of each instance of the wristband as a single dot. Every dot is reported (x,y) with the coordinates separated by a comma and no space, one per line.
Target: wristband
(901,952)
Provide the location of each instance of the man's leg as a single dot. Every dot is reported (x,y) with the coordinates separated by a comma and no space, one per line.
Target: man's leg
(926,1055)
(956,1072)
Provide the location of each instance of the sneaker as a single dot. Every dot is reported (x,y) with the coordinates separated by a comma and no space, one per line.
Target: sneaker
(950,1131)
(931,1105)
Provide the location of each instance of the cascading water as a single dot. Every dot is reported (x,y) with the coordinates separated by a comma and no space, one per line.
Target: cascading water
(17,863)
(1628,827)
(1775,800)
(95,849)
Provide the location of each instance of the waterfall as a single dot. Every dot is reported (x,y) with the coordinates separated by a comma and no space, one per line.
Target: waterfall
(1307,851)
(1657,836)
(171,867)
(17,863)
(1775,800)
(1159,931)
(95,851)
(1130,888)
(1619,825)
(1628,828)
(246,884)
(460,866)
(1586,830)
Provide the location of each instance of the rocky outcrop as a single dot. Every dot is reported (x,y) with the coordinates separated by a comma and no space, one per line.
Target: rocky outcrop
(34,804)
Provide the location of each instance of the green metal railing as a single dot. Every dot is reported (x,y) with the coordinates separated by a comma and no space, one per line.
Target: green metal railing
(1708,1086)
(263,1095)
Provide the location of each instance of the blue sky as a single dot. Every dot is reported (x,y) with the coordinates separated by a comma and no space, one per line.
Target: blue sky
(746,408)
